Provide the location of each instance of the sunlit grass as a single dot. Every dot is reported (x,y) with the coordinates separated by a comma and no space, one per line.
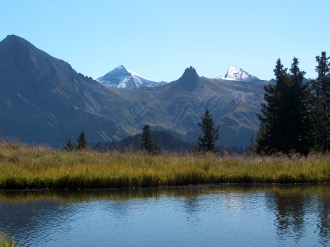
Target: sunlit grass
(23,167)
(6,240)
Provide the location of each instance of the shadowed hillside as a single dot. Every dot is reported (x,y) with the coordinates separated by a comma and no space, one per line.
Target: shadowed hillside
(44,101)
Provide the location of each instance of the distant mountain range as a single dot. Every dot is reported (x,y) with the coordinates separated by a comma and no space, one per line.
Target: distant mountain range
(120,77)
(43,100)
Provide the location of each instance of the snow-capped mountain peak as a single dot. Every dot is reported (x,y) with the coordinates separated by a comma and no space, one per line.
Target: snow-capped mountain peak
(237,74)
(121,68)
(121,77)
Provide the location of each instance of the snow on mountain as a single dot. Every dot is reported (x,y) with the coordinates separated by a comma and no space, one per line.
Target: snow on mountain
(120,77)
(237,74)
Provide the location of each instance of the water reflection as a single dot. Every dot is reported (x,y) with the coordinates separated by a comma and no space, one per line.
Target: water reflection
(197,215)
(288,206)
(295,207)
(323,209)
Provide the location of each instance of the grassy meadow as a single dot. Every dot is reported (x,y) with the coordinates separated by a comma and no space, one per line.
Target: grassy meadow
(23,167)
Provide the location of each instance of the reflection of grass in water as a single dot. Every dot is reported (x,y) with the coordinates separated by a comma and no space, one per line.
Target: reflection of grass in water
(186,192)
(6,240)
(35,168)
(322,190)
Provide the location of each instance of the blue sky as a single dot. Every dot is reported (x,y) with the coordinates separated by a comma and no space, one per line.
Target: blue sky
(158,39)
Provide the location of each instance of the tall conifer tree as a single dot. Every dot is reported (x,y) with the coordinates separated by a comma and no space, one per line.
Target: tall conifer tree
(320,100)
(298,124)
(272,116)
(206,143)
(285,116)
(146,142)
(81,141)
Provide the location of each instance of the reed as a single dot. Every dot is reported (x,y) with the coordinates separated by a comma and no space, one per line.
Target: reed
(6,240)
(23,167)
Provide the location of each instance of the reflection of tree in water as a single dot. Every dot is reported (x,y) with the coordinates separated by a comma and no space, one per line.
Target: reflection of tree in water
(291,204)
(191,205)
(324,219)
(288,206)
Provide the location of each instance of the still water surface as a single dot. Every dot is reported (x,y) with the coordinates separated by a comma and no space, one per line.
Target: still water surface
(186,216)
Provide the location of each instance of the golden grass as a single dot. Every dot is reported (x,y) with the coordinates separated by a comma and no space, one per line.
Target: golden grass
(23,167)
(6,240)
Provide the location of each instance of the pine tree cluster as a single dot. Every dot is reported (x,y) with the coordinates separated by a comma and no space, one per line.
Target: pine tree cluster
(296,114)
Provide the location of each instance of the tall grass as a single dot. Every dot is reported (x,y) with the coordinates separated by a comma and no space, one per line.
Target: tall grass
(6,240)
(24,167)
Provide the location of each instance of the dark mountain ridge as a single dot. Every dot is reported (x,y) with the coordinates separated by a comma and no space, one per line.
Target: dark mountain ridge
(44,101)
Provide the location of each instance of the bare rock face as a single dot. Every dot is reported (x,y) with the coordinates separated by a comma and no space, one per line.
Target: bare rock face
(189,79)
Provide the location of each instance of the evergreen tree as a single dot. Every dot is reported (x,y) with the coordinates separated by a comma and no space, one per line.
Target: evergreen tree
(206,143)
(298,125)
(81,141)
(284,118)
(146,142)
(320,101)
(69,146)
(272,116)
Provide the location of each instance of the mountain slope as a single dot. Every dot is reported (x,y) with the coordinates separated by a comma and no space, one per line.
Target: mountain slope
(120,77)
(178,106)
(43,100)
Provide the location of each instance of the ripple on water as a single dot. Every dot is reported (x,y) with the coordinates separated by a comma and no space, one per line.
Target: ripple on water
(194,216)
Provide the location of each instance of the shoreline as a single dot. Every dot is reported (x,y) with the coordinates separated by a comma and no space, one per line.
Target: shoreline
(188,186)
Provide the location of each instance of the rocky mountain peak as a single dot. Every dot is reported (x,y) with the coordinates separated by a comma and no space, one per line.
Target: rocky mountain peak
(237,74)
(189,79)
(121,68)
(120,77)
(13,39)
(190,74)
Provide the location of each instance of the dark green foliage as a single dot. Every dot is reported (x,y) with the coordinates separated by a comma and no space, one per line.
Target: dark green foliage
(69,146)
(284,118)
(298,127)
(269,136)
(81,141)
(206,143)
(320,101)
(146,142)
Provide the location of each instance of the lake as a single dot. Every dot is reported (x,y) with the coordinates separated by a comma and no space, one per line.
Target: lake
(212,215)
